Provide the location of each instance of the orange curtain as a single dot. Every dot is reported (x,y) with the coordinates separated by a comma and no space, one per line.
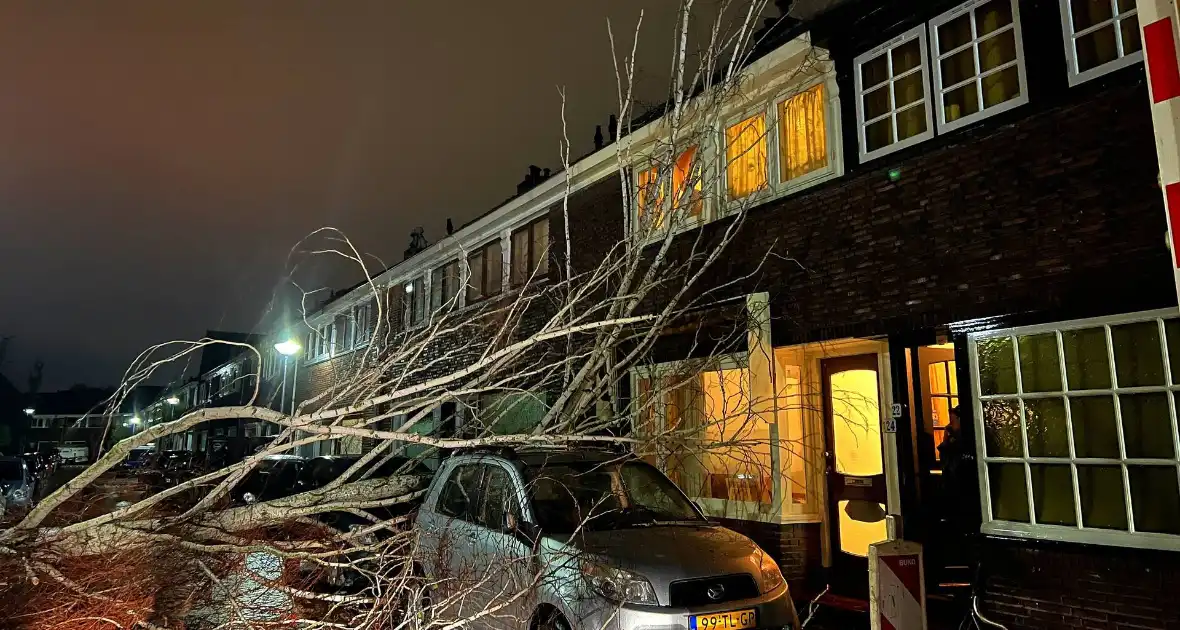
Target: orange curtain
(804,139)
(686,183)
(650,195)
(745,152)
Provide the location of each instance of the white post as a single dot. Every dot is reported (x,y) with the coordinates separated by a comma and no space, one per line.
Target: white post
(1157,19)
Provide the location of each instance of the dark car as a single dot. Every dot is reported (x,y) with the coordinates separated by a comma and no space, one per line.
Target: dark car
(273,477)
(16,481)
(161,470)
(138,458)
(37,468)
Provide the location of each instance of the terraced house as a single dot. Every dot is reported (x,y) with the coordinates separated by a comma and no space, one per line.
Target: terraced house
(953,231)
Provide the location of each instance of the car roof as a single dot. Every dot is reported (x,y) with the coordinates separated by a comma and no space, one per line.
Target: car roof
(548,456)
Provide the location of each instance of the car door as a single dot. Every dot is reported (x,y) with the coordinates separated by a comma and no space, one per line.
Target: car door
(452,532)
(503,555)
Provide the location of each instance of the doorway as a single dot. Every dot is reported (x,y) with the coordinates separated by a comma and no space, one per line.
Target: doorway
(855,468)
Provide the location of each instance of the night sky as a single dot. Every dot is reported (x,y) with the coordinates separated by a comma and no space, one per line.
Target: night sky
(159,160)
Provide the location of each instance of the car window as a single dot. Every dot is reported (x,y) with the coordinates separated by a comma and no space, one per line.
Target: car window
(499,498)
(460,494)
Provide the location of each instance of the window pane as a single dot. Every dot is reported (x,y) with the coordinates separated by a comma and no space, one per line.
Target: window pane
(436,288)
(879,134)
(1172,331)
(1001,421)
(686,183)
(1095,429)
(1001,86)
(1101,490)
(494,256)
(1137,357)
(738,464)
(1008,492)
(1053,494)
(745,150)
(997,370)
(874,71)
(1155,498)
(520,256)
(997,51)
(1039,371)
(1096,48)
(1130,31)
(1147,425)
(911,122)
(958,67)
(960,102)
(1087,13)
(1044,420)
(993,16)
(802,133)
(649,197)
(876,102)
(540,259)
(906,57)
(475,280)
(856,422)
(908,89)
(954,33)
(1125,5)
(1087,366)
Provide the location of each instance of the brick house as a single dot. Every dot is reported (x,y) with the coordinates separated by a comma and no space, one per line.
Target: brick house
(79,416)
(963,206)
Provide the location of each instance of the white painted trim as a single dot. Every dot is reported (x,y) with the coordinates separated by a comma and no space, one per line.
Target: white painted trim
(1123,60)
(936,68)
(927,100)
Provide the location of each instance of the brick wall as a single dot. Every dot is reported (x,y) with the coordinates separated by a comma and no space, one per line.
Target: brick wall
(1046,587)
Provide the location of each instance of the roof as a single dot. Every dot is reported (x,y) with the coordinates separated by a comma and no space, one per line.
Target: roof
(75,401)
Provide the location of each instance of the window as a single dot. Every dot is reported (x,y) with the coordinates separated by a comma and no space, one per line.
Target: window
(341,333)
(944,396)
(717,447)
(530,252)
(687,200)
(362,325)
(978,62)
(415,302)
(486,269)
(1100,36)
(803,136)
(459,497)
(321,341)
(745,156)
(892,99)
(1078,422)
(500,498)
(444,286)
(40,423)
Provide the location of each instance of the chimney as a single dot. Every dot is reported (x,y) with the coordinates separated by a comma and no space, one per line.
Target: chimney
(544,175)
(613,128)
(597,137)
(450,227)
(417,242)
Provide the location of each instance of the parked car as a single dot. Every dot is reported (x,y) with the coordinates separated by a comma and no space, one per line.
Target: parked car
(16,481)
(274,477)
(139,457)
(320,471)
(36,468)
(74,452)
(618,545)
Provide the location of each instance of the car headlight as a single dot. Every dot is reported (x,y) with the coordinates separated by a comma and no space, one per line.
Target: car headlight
(772,577)
(20,494)
(618,585)
(249,497)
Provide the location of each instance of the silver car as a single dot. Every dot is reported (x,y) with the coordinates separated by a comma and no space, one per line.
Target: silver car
(17,483)
(585,541)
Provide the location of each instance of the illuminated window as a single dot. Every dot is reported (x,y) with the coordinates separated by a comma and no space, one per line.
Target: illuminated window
(1078,424)
(415,302)
(486,269)
(745,153)
(803,134)
(978,62)
(944,396)
(530,252)
(444,285)
(687,200)
(892,99)
(1100,36)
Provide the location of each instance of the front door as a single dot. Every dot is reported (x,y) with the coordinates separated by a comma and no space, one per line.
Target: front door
(855,468)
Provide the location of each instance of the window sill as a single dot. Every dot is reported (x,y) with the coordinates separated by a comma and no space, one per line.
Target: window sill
(1061,533)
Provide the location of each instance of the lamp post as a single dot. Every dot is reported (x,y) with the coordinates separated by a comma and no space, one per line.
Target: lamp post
(288,349)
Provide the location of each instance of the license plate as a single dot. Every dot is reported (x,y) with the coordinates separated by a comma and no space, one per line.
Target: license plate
(732,620)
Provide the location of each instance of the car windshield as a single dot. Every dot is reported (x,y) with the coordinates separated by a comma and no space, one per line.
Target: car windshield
(10,470)
(605,496)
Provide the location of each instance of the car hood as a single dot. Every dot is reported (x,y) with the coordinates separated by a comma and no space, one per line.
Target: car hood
(669,553)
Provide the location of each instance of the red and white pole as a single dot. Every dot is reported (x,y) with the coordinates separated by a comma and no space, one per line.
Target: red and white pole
(1158,20)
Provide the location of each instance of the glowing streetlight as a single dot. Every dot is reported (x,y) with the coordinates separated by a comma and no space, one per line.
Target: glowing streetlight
(135,420)
(288,347)
(30,411)
(172,400)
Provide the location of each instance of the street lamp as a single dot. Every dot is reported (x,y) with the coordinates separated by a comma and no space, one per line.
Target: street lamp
(288,349)
(135,420)
(30,411)
(172,400)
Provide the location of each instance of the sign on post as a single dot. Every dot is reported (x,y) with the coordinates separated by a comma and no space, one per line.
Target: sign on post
(897,586)
(1157,19)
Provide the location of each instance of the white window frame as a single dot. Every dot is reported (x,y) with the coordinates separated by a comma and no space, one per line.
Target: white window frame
(936,56)
(1123,60)
(769,108)
(41,423)
(927,100)
(1077,533)
(361,317)
(408,297)
(780,509)
(683,224)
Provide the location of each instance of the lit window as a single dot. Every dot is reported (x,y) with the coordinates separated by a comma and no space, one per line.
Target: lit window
(944,396)
(1078,424)
(745,153)
(803,135)
(415,302)
(651,201)
(978,62)
(444,286)
(649,198)
(486,272)
(530,252)
(1100,36)
(892,100)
